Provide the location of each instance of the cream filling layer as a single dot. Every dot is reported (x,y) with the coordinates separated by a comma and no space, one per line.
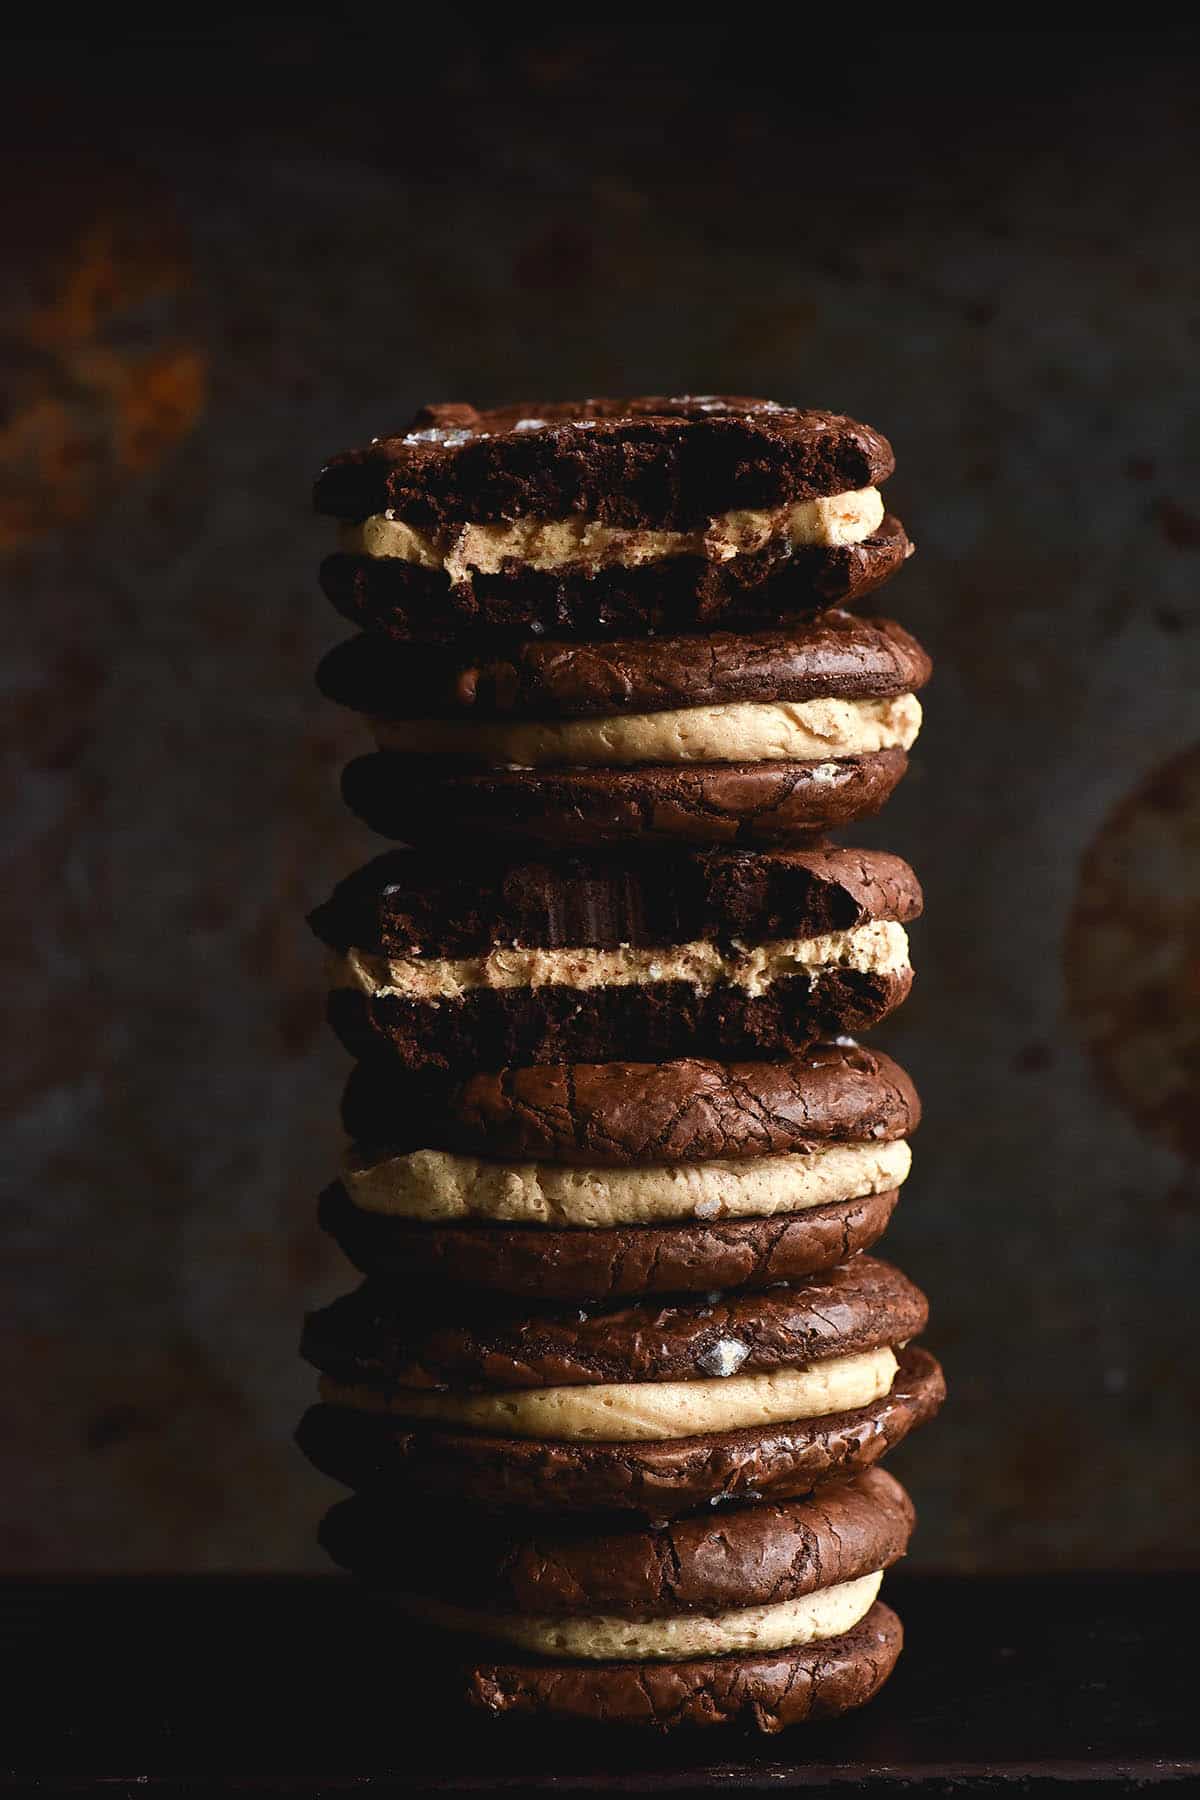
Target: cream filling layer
(641,1411)
(811,1619)
(741,731)
(467,550)
(878,948)
(439,1187)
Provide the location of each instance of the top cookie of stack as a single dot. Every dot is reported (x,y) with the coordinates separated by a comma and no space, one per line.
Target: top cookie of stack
(606,622)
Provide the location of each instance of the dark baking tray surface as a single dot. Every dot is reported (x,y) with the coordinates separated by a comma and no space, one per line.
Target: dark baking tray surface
(303,1687)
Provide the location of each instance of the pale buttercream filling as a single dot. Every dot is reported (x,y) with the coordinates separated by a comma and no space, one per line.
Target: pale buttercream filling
(737,731)
(463,551)
(640,1411)
(786,1624)
(440,1187)
(877,948)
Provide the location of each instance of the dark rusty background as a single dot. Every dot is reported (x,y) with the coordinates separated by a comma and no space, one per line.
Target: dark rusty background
(225,260)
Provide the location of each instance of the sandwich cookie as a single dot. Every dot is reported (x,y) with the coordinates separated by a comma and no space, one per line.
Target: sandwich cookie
(647,1407)
(829,708)
(596,517)
(728,953)
(695,1621)
(581,1181)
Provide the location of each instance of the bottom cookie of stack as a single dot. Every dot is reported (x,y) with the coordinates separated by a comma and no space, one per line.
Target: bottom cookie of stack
(763,1613)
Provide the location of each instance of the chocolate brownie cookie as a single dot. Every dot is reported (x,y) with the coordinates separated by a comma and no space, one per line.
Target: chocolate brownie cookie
(528,996)
(644,464)
(463,903)
(712,1561)
(432,802)
(836,658)
(626,1114)
(771,1690)
(443,1362)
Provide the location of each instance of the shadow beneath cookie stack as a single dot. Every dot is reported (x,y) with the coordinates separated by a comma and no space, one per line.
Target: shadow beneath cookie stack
(613,1394)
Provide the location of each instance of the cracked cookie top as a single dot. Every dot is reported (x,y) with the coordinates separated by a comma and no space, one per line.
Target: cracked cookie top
(383,1336)
(620,1113)
(720,1559)
(835,657)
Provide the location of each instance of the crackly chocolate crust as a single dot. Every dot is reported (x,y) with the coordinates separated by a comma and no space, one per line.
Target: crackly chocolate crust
(465,904)
(770,1691)
(668,464)
(621,1113)
(654,1480)
(385,1336)
(836,656)
(427,800)
(489,1027)
(542,1262)
(586,600)
(719,1560)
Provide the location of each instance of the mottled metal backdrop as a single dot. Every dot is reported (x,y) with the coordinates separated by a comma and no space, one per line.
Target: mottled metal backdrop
(234,259)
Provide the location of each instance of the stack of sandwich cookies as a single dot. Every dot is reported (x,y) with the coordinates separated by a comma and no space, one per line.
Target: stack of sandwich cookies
(616,1153)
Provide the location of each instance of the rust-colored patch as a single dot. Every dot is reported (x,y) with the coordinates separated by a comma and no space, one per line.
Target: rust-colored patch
(1132,952)
(1180,527)
(102,371)
(139,1453)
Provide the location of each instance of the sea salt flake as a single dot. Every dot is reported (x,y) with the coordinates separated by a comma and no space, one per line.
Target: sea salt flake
(449,437)
(530,425)
(708,1208)
(725,1357)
